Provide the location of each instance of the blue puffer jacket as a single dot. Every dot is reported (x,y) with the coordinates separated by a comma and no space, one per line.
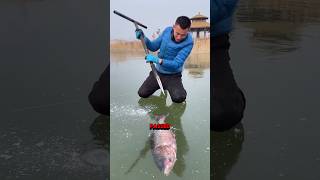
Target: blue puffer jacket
(221,12)
(173,54)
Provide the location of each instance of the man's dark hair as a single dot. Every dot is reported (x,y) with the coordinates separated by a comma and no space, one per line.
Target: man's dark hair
(184,22)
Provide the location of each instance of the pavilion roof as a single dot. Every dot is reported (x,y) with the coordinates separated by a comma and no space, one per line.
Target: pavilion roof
(199,16)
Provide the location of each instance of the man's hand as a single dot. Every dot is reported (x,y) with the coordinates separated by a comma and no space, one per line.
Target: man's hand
(139,33)
(153,58)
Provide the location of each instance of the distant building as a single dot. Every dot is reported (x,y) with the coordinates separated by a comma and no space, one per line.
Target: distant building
(199,24)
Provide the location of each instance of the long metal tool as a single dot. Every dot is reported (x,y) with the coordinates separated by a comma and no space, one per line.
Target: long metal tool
(136,23)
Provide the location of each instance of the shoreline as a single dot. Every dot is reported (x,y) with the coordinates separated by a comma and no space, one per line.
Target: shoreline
(201,46)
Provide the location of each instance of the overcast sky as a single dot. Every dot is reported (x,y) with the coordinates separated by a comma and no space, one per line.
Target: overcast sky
(155,14)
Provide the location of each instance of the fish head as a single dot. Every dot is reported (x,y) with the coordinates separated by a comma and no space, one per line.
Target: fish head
(165,158)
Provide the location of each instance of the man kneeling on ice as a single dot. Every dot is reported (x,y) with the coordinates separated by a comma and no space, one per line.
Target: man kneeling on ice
(175,44)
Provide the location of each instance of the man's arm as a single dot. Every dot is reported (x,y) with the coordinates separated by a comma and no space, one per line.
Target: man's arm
(221,9)
(153,45)
(179,59)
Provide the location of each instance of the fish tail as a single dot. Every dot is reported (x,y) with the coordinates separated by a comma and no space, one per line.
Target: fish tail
(162,120)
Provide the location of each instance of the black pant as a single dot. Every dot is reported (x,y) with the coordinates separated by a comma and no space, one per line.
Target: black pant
(172,83)
(99,95)
(227,99)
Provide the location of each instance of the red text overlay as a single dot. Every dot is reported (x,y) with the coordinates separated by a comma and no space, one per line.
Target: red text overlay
(164,126)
